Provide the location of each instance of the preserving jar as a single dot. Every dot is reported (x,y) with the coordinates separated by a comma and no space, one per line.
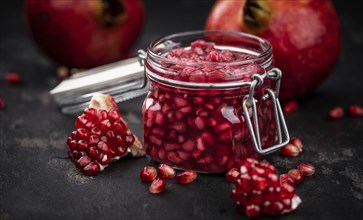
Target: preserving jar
(212,100)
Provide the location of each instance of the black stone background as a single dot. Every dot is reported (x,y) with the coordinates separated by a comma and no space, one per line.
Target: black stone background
(37,181)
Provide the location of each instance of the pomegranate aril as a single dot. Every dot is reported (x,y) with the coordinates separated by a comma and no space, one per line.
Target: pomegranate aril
(157,186)
(180,102)
(285,178)
(186,177)
(2,103)
(83,161)
(253,211)
(355,111)
(306,169)
(232,175)
(166,171)
(296,176)
(297,142)
(188,145)
(171,146)
(172,156)
(91,169)
(335,113)
(290,150)
(13,78)
(148,174)
(291,106)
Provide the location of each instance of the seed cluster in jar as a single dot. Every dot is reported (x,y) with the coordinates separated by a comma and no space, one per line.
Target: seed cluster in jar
(203,129)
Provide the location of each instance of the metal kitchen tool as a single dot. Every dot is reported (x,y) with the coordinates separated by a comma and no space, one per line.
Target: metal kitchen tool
(123,80)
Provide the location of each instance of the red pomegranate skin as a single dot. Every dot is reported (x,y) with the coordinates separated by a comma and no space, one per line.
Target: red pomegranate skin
(304,34)
(72,33)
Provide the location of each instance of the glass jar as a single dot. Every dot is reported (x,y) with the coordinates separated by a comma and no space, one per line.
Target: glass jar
(206,115)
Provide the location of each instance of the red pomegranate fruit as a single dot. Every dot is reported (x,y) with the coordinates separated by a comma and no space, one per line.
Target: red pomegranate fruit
(304,34)
(85,34)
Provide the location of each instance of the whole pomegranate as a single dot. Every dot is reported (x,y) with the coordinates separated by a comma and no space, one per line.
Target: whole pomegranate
(85,34)
(304,34)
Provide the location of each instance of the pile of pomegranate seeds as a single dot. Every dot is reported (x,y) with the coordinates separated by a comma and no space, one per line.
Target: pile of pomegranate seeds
(101,137)
(291,106)
(164,171)
(295,176)
(258,190)
(12,78)
(293,148)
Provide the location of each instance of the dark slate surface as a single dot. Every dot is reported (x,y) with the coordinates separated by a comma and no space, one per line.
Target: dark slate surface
(37,181)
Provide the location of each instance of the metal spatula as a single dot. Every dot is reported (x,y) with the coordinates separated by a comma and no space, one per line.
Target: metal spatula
(123,80)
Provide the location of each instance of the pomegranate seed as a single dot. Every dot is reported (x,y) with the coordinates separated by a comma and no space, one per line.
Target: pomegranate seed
(285,178)
(166,171)
(290,150)
(297,142)
(13,78)
(62,72)
(306,169)
(157,186)
(253,211)
(335,113)
(355,111)
(232,175)
(291,106)
(2,103)
(148,174)
(296,176)
(186,177)
(91,169)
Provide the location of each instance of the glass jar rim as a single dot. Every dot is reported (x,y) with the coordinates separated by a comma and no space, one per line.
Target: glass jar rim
(264,55)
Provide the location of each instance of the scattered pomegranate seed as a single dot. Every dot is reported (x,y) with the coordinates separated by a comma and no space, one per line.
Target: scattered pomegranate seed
(297,142)
(186,177)
(2,103)
(166,171)
(62,72)
(296,176)
(232,175)
(291,106)
(335,113)
(148,174)
(290,150)
(355,111)
(12,77)
(259,192)
(157,186)
(285,178)
(306,169)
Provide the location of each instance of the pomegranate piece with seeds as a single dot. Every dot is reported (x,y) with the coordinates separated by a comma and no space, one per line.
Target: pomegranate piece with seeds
(258,191)
(335,113)
(166,171)
(13,78)
(186,177)
(100,137)
(157,186)
(355,111)
(148,174)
